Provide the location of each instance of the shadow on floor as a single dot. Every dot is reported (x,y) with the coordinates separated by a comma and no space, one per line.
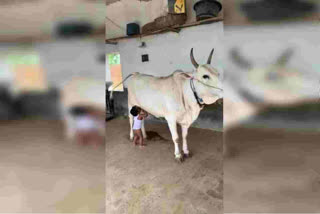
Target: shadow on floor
(154,136)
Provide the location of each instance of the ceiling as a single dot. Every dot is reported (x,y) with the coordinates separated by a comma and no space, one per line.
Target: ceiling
(37,18)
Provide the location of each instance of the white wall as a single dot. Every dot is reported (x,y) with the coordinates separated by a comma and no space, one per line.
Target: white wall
(65,59)
(171,51)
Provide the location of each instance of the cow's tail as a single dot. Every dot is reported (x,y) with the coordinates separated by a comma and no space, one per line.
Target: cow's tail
(111,93)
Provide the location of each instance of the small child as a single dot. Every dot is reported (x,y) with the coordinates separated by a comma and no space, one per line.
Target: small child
(87,126)
(138,115)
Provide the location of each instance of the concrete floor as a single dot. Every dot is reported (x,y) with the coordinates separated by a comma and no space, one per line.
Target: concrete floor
(272,171)
(41,173)
(148,180)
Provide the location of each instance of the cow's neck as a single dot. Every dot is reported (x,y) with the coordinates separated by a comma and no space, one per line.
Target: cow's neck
(195,94)
(190,100)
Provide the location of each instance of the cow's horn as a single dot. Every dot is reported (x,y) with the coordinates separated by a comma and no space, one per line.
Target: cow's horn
(239,59)
(285,56)
(210,56)
(193,60)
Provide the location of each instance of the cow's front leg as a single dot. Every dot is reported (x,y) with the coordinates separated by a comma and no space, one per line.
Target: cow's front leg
(186,152)
(175,137)
(144,133)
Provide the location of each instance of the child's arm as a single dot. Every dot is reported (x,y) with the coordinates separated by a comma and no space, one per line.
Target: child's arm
(144,114)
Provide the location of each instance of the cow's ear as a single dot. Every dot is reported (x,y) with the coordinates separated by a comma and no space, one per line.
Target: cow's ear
(185,75)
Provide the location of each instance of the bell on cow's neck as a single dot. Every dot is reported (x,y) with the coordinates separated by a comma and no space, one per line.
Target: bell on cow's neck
(276,10)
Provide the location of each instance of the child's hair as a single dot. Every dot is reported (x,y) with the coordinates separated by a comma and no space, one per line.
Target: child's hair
(78,110)
(135,110)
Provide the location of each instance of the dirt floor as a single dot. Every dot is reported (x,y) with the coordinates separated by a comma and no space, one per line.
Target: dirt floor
(148,180)
(41,173)
(272,171)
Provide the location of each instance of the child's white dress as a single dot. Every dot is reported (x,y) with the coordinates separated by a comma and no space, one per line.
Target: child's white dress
(136,123)
(86,123)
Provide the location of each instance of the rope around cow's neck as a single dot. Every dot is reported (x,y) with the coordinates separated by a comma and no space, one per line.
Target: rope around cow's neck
(198,99)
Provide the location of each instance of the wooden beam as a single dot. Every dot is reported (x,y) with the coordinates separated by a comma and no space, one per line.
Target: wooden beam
(111,43)
(175,28)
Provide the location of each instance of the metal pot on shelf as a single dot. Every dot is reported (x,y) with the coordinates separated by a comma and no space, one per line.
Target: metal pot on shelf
(207,9)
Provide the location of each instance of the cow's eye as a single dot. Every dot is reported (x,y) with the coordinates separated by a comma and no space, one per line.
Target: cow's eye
(206,77)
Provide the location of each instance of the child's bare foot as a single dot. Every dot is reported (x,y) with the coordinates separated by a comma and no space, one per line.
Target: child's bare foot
(143,145)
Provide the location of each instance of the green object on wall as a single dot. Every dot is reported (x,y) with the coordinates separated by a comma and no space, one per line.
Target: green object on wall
(23,59)
(114,59)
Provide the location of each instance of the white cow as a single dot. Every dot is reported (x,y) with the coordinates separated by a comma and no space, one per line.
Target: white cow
(178,98)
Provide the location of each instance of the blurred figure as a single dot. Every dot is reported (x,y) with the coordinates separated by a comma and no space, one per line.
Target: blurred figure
(88,122)
(85,93)
(271,118)
(254,88)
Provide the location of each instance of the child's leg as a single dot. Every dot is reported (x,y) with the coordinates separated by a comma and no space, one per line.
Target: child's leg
(86,138)
(140,138)
(135,137)
(135,140)
(80,138)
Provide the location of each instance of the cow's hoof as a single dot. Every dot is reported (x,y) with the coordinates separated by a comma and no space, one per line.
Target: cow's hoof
(179,158)
(189,155)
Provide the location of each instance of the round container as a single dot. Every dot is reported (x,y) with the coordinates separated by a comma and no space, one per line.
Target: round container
(207,9)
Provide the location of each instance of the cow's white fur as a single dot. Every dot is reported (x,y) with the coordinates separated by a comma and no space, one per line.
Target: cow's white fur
(171,97)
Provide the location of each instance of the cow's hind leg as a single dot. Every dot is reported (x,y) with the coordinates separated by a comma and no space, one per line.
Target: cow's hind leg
(186,152)
(144,133)
(175,137)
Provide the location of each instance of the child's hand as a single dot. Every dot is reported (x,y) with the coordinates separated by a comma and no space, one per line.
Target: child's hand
(144,114)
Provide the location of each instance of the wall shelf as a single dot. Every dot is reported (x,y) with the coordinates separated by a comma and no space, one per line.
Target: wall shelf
(174,28)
